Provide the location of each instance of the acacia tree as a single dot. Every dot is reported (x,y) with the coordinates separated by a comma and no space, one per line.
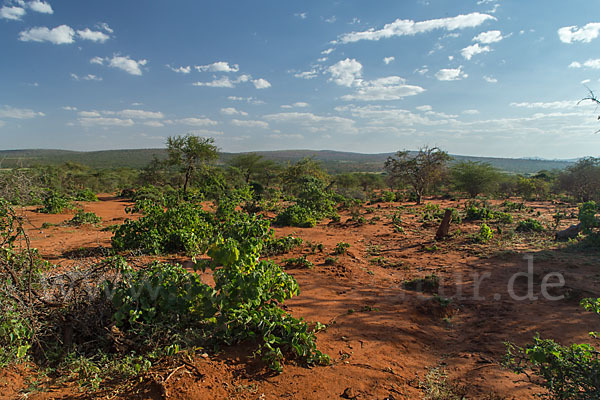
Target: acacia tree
(420,171)
(474,177)
(190,152)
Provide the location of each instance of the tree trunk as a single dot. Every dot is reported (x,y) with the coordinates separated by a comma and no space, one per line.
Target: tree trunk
(419,196)
(188,172)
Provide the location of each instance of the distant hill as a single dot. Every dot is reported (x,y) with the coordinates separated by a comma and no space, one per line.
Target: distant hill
(333,161)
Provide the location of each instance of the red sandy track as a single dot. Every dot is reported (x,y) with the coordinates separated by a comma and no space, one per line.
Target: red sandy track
(382,337)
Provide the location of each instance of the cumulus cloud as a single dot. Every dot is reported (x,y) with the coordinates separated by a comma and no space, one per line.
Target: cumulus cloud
(471,112)
(307,74)
(490,79)
(40,6)
(345,72)
(593,63)
(403,27)
(425,107)
(314,123)
(103,121)
(219,66)
(197,121)
(19,113)
(69,108)
(180,70)
(104,26)
(88,77)
(451,74)
(261,83)
(585,34)
(140,114)
(301,15)
(328,51)
(251,100)
(388,60)
(89,114)
(286,136)
(250,123)
(124,63)
(94,36)
(488,37)
(383,89)
(12,13)
(232,111)
(154,124)
(469,51)
(222,82)
(62,34)
(558,105)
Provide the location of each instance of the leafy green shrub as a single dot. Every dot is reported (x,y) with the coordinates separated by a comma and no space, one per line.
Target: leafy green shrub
(182,227)
(313,203)
(85,195)
(484,235)
(587,217)
(429,284)
(54,203)
(298,262)
(566,372)
(510,206)
(281,245)
(331,260)
(82,218)
(477,210)
(529,225)
(341,248)
(503,217)
(388,196)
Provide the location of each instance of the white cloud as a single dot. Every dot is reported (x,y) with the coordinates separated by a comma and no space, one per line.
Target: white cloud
(154,124)
(261,83)
(331,19)
(222,82)
(345,72)
(490,79)
(471,112)
(104,25)
(547,105)
(307,74)
(383,89)
(593,63)
(19,113)
(94,36)
(69,108)
(88,77)
(251,100)
(423,70)
(219,66)
(314,123)
(232,111)
(89,114)
(102,121)
(469,51)
(206,132)
(299,104)
(250,123)
(301,15)
(583,82)
(12,13)
(41,7)
(328,51)
(180,70)
(585,34)
(197,121)
(388,60)
(390,118)
(124,63)
(425,107)
(451,74)
(286,136)
(402,27)
(140,114)
(62,34)
(488,37)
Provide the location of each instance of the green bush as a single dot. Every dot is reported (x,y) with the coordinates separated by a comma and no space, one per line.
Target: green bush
(313,203)
(529,225)
(281,245)
(85,195)
(54,203)
(477,210)
(183,227)
(484,235)
(566,372)
(82,218)
(297,262)
(341,248)
(429,283)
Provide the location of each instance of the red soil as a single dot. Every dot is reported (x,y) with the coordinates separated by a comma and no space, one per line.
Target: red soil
(382,338)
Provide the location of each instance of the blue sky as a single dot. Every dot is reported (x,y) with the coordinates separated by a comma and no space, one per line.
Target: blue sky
(482,77)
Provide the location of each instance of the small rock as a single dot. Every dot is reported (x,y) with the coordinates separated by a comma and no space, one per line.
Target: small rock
(349,393)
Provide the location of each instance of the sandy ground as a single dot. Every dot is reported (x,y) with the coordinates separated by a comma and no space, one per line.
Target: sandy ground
(381,337)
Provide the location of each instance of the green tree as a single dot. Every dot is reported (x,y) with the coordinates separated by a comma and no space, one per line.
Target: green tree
(252,166)
(294,175)
(474,177)
(420,171)
(582,180)
(189,153)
